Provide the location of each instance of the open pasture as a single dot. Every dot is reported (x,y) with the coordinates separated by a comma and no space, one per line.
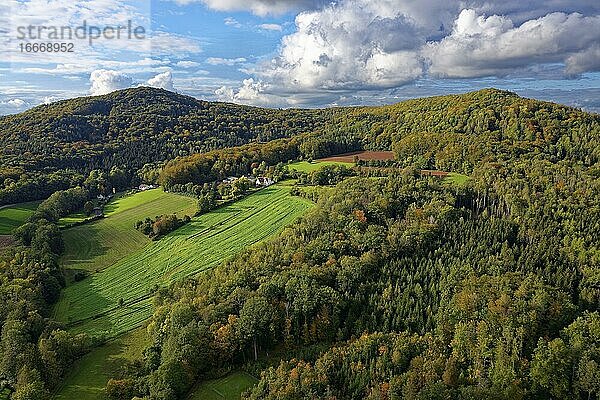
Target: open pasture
(229,387)
(15,215)
(118,298)
(92,371)
(361,155)
(308,167)
(95,246)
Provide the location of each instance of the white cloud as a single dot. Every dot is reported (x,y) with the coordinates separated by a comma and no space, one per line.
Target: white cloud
(584,61)
(170,43)
(351,44)
(483,46)
(259,7)
(12,106)
(106,81)
(225,61)
(17,103)
(271,27)
(366,45)
(230,21)
(251,92)
(187,64)
(51,99)
(163,81)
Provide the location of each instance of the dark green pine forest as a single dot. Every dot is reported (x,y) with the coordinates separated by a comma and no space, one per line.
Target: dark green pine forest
(392,286)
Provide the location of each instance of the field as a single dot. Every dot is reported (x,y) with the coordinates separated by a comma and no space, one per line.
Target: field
(118,298)
(305,166)
(97,245)
(456,179)
(362,155)
(230,387)
(93,370)
(346,159)
(15,215)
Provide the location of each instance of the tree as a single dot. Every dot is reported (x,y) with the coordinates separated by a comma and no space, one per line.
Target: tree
(257,321)
(88,207)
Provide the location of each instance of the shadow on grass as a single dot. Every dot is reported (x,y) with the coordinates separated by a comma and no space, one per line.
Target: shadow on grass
(83,246)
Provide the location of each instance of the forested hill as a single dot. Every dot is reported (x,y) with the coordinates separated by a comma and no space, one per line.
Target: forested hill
(126,129)
(142,124)
(56,146)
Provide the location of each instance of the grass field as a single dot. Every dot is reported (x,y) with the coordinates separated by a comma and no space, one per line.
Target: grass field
(361,155)
(93,370)
(456,179)
(230,387)
(305,166)
(97,245)
(92,305)
(14,216)
(72,218)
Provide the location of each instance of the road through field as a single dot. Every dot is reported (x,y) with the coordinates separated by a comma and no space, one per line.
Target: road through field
(118,299)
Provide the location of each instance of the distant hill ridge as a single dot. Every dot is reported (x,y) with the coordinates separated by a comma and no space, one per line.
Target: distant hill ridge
(132,127)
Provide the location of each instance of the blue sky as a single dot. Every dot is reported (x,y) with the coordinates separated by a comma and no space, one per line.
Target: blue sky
(306,53)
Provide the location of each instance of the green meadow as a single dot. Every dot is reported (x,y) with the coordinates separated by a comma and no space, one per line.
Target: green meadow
(118,298)
(92,371)
(15,215)
(97,245)
(307,167)
(229,387)
(456,179)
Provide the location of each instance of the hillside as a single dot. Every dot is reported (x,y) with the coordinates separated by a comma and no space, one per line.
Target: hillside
(60,143)
(393,285)
(57,145)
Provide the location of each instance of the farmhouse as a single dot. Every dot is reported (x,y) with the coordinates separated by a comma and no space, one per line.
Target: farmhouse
(143,187)
(263,181)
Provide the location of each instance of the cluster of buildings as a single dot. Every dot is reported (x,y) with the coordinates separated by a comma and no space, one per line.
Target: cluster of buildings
(143,187)
(259,181)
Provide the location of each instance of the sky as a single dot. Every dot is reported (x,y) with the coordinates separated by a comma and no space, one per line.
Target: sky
(300,53)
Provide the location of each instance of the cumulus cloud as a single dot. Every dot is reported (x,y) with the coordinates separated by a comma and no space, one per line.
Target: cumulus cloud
(106,81)
(367,45)
(163,81)
(251,92)
(12,106)
(584,61)
(483,46)
(353,44)
(17,103)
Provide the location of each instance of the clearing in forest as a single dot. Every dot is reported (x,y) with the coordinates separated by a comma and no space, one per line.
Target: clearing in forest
(15,215)
(118,298)
(361,155)
(99,244)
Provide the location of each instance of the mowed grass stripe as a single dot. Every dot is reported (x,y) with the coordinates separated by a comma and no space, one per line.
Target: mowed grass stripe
(93,305)
(95,246)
